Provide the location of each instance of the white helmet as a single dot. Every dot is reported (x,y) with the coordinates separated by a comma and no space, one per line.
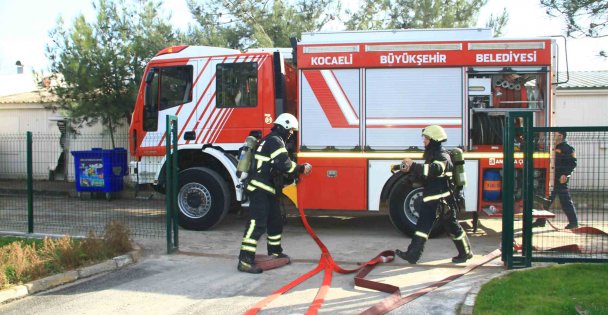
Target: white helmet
(288,121)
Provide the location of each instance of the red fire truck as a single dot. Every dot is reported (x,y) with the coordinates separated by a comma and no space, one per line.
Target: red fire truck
(362,99)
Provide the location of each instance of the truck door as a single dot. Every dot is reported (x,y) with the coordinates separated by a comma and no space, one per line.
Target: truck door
(330,119)
(232,101)
(168,91)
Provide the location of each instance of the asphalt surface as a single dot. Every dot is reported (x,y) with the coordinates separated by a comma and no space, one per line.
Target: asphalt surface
(202,277)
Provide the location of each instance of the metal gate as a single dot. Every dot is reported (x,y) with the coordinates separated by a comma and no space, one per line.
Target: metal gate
(527,194)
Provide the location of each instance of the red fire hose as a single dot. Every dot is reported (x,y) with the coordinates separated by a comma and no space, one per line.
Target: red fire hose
(328,265)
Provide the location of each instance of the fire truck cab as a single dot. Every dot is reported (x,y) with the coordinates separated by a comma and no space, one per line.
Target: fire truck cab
(220,96)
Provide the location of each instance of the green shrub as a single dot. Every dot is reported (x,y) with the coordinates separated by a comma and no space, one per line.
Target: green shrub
(116,238)
(24,260)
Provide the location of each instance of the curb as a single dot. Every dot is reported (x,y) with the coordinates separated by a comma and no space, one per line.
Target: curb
(469,301)
(23,290)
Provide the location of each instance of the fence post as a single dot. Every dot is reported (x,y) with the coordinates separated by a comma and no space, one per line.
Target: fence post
(174,181)
(507,192)
(171,182)
(30,185)
(527,187)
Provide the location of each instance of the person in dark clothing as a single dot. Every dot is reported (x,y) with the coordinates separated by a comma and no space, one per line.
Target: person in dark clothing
(436,174)
(271,163)
(565,163)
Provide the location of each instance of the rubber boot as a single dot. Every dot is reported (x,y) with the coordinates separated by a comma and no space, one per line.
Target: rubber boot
(464,250)
(414,251)
(571,226)
(247,263)
(539,223)
(276,251)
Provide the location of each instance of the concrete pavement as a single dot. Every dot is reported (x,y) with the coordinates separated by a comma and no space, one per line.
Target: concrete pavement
(202,278)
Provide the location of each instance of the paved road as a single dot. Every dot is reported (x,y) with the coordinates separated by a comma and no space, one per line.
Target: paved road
(202,278)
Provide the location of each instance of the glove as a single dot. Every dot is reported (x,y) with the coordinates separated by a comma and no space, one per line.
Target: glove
(395,168)
(307,168)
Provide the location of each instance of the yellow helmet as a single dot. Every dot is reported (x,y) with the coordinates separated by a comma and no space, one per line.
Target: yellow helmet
(435,132)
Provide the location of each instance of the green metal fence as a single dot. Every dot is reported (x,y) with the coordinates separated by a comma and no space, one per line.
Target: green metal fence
(42,197)
(526,199)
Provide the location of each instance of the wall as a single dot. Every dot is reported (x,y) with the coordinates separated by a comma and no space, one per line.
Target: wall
(17,119)
(576,108)
(580,108)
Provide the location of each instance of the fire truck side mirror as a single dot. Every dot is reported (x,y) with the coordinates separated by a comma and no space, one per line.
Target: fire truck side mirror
(148,95)
(150,113)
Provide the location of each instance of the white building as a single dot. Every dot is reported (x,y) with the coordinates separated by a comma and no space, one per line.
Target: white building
(25,107)
(582,100)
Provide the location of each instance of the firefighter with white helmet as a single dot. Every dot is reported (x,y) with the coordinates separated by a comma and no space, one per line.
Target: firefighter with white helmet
(271,163)
(436,173)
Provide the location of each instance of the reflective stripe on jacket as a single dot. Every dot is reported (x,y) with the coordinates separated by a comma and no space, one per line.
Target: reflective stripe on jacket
(436,172)
(271,159)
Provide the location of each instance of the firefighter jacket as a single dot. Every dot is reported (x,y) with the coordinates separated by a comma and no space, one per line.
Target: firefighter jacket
(565,159)
(436,173)
(271,163)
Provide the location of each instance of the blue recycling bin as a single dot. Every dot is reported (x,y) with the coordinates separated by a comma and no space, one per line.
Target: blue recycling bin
(99,170)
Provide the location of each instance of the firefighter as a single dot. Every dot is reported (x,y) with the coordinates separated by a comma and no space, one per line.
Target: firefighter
(436,174)
(271,163)
(565,163)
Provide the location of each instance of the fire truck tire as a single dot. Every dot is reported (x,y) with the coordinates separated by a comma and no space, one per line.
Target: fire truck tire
(404,201)
(202,198)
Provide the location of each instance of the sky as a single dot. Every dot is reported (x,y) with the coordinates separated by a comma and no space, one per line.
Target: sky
(26,24)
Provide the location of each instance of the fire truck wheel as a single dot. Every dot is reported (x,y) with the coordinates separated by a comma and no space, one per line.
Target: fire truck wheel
(202,199)
(404,201)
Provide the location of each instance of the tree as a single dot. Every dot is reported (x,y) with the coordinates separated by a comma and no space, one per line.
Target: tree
(243,24)
(498,23)
(99,65)
(583,17)
(404,14)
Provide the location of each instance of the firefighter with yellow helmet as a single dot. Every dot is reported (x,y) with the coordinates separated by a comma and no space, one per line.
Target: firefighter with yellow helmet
(436,174)
(271,162)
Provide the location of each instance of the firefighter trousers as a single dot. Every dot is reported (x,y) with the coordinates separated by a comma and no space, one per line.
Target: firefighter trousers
(437,210)
(562,191)
(264,217)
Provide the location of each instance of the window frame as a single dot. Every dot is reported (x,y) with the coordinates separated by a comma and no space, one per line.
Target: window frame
(182,93)
(235,78)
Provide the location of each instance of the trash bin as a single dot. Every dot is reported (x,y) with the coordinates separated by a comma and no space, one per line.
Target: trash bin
(99,170)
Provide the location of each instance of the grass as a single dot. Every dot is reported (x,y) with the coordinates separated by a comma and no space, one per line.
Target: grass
(5,240)
(559,289)
(23,260)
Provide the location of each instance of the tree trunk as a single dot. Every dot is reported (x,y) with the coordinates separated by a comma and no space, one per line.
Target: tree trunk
(111,127)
